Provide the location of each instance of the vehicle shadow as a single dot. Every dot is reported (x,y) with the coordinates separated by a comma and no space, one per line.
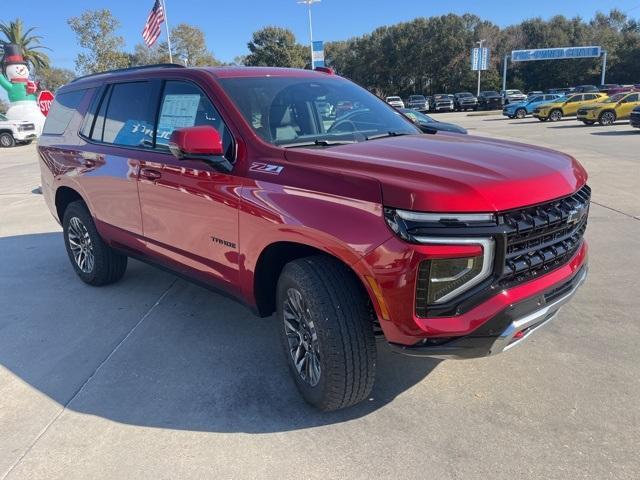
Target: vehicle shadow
(578,125)
(616,133)
(155,351)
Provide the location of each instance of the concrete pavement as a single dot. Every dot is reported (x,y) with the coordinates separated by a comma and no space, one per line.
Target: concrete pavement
(156,378)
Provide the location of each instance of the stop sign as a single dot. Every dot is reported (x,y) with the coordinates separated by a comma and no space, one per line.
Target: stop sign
(45,98)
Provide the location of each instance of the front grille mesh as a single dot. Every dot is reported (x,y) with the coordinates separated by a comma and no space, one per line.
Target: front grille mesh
(543,237)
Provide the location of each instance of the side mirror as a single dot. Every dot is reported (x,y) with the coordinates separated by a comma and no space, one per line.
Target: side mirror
(202,142)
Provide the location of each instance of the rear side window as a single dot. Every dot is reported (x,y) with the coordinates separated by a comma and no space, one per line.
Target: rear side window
(61,112)
(128,115)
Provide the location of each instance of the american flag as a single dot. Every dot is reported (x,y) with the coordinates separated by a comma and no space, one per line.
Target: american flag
(151,30)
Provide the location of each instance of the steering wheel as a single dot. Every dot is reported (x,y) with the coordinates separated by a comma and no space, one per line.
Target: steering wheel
(336,127)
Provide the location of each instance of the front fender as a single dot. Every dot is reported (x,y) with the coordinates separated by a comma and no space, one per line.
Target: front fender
(343,227)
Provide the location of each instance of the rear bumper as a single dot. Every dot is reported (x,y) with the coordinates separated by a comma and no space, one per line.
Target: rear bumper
(516,323)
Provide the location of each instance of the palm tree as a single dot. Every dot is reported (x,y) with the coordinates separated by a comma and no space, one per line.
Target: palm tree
(14,32)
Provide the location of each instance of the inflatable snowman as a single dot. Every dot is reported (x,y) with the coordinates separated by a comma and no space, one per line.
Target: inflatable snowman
(21,91)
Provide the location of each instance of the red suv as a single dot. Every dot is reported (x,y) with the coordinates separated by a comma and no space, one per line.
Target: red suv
(349,224)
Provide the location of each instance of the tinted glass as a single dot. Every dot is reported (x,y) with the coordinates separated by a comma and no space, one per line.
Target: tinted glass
(98,127)
(575,98)
(185,105)
(130,115)
(286,110)
(632,98)
(62,110)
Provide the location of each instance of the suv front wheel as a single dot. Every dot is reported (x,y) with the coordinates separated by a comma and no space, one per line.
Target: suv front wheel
(93,260)
(327,332)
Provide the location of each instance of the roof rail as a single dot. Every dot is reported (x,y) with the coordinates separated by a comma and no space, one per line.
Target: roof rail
(130,69)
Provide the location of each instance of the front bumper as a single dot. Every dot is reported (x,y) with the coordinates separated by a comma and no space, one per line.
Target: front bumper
(588,115)
(515,324)
(25,136)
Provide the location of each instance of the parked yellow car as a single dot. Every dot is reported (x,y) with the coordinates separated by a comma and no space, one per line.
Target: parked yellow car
(567,106)
(616,107)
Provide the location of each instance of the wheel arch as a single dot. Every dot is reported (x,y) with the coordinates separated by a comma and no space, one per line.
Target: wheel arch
(272,260)
(63,197)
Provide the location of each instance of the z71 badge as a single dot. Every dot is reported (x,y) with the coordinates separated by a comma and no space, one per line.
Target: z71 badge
(266,168)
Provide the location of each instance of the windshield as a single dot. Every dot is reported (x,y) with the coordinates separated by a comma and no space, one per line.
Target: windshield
(393,99)
(514,92)
(295,111)
(615,98)
(465,94)
(490,94)
(417,98)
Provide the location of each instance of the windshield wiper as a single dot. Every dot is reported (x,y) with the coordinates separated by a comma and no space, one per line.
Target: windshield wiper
(388,134)
(319,142)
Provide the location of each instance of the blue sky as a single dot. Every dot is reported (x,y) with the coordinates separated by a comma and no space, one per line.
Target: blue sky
(229,24)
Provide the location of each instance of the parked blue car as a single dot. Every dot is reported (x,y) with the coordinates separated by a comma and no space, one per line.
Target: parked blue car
(522,109)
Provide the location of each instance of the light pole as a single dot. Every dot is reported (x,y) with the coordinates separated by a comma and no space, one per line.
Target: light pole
(308,3)
(479,62)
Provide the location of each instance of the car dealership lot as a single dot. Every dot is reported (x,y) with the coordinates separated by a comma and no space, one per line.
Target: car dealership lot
(154,377)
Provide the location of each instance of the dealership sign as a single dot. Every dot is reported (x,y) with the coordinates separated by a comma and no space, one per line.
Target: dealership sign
(318,54)
(480,59)
(555,53)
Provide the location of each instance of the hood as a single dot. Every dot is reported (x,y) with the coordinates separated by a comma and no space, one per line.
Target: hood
(513,105)
(452,173)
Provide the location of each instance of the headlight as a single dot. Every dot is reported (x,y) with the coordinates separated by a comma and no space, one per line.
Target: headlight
(441,279)
(408,225)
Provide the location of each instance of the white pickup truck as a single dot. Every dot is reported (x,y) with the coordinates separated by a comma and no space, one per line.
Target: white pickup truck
(13,132)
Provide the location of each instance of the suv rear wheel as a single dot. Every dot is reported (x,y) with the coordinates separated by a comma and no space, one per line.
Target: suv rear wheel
(6,140)
(327,332)
(93,260)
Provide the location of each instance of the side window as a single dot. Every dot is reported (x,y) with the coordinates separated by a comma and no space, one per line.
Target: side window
(631,98)
(130,115)
(185,105)
(576,98)
(62,110)
(98,127)
(90,114)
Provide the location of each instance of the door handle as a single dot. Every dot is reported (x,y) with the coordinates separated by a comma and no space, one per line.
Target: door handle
(150,173)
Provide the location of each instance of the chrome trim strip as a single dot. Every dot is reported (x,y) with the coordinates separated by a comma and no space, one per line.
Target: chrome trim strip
(437,217)
(488,255)
(544,315)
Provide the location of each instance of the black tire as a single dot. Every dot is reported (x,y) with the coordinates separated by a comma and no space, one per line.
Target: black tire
(107,265)
(543,119)
(520,113)
(7,140)
(588,122)
(555,115)
(607,118)
(475,109)
(337,315)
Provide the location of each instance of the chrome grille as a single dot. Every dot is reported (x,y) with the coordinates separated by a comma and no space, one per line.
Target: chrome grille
(543,237)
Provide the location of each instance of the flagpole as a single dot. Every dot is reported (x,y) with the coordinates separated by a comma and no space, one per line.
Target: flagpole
(166,24)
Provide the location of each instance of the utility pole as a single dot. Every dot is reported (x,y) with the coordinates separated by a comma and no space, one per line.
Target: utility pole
(480,43)
(308,3)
